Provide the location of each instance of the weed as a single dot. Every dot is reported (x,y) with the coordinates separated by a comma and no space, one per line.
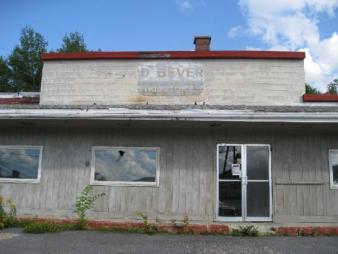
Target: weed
(185,220)
(315,232)
(148,228)
(7,213)
(83,203)
(173,222)
(248,230)
(42,227)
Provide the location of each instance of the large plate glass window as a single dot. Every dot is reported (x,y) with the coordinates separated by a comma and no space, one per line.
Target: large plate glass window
(125,166)
(20,163)
(333,157)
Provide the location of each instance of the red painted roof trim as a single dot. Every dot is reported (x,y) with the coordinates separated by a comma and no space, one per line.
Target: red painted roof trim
(320,98)
(33,100)
(176,55)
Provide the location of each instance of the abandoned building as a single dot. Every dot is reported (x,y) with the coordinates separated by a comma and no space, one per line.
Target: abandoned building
(212,135)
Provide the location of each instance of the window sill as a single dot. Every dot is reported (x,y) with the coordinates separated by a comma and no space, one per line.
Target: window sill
(8,180)
(125,184)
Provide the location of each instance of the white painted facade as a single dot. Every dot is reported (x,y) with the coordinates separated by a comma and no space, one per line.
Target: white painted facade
(198,81)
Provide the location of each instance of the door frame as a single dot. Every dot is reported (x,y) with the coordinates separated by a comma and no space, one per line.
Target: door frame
(244,217)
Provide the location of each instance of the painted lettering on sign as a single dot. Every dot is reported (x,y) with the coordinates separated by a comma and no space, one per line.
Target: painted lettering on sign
(170,79)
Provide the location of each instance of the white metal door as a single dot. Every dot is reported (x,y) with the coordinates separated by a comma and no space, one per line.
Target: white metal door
(244,182)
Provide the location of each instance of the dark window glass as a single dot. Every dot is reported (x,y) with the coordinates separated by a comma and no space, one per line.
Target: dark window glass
(230,199)
(125,164)
(19,163)
(229,159)
(258,202)
(334,164)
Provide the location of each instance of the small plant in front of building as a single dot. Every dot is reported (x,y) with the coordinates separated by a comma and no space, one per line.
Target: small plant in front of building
(247,230)
(7,213)
(148,228)
(181,226)
(185,220)
(173,222)
(42,227)
(83,203)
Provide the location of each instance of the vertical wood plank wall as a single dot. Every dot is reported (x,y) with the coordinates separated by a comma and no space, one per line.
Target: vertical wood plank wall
(301,191)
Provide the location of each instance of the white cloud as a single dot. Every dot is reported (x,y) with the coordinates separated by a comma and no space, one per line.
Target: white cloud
(294,25)
(187,6)
(26,161)
(234,31)
(131,165)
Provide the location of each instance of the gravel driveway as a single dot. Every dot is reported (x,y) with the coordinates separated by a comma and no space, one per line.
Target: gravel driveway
(82,242)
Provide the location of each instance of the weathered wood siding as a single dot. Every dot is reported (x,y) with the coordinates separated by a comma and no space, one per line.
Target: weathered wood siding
(187,176)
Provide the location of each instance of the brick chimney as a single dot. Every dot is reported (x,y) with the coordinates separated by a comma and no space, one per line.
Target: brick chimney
(202,43)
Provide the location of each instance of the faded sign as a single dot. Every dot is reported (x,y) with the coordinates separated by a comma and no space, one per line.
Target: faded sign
(170,79)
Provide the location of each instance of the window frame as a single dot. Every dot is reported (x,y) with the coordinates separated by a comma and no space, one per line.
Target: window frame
(332,185)
(125,183)
(18,180)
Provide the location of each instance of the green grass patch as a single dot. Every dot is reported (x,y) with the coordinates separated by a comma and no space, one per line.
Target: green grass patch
(42,227)
(248,230)
(35,227)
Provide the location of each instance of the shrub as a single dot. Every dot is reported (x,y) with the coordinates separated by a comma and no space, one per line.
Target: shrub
(248,230)
(83,203)
(7,213)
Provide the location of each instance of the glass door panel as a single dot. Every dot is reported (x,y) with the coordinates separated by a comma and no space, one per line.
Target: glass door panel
(257,158)
(258,199)
(229,181)
(258,184)
(229,162)
(230,199)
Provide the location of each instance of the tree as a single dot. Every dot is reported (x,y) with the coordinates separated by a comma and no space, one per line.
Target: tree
(5,77)
(73,42)
(332,87)
(310,90)
(25,61)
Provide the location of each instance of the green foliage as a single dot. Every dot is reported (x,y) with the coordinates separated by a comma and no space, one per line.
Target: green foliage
(148,228)
(42,227)
(25,61)
(73,42)
(310,90)
(332,87)
(6,83)
(137,230)
(22,70)
(184,223)
(186,220)
(7,213)
(247,230)
(85,202)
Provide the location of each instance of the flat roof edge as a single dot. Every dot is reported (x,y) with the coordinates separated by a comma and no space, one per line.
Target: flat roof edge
(176,55)
(168,115)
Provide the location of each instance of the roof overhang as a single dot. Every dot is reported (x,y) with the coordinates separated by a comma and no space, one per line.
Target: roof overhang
(200,115)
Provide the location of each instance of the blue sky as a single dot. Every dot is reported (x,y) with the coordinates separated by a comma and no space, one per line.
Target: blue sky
(310,25)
